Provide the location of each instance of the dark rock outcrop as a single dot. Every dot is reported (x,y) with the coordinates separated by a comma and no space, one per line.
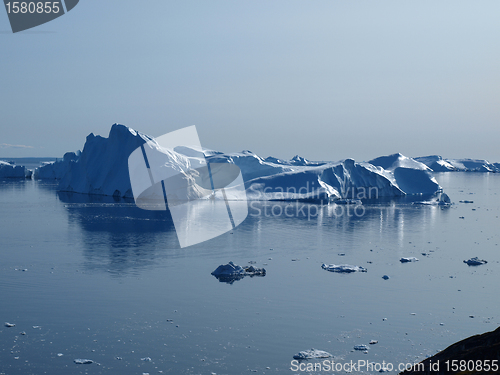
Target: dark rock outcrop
(478,349)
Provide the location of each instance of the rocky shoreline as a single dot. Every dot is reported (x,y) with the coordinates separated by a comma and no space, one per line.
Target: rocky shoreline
(470,356)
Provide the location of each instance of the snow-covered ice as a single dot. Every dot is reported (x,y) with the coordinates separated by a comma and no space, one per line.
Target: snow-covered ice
(342,268)
(438,164)
(80,361)
(311,354)
(361,347)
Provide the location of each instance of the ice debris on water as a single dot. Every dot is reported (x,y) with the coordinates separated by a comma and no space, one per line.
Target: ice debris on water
(475,261)
(348,201)
(373,342)
(146,359)
(408,259)
(9,325)
(231,272)
(361,347)
(342,268)
(80,361)
(313,353)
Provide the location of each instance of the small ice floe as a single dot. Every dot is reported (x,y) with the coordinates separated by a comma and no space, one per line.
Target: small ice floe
(231,272)
(146,359)
(466,201)
(408,259)
(373,342)
(385,277)
(60,354)
(80,361)
(22,333)
(475,261)
(9,325)
(362,347)
(342,268)
(348,201)
(311,354)
(442,200)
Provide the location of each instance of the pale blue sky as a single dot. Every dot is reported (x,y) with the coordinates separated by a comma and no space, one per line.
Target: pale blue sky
(323,79)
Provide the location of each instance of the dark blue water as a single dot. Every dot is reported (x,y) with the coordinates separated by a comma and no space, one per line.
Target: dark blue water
(106,281)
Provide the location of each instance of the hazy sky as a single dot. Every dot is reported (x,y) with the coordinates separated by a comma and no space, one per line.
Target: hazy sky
(323,79)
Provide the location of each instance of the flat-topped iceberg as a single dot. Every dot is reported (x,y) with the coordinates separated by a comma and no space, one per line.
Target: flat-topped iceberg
(9,170)
(102,168)
(437,164)
(312,354)
(342,268)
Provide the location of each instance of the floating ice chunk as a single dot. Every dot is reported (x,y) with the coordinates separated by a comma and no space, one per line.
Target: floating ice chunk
(348,201)
(408,259)
(146,359)
(228,270)
(373,342)
(253,271)
(385,277)
(231,272)
(342,268)
(80,361)
(9,325)
(313,353)
(361,347)
(475,261)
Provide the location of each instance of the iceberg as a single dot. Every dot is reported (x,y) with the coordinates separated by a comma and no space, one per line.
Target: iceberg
(408,260)
(80,361)
(231,272)
(55,170)
(437,164)
(9,170)
(312,354)
(342,268)
(361,347)
(409,175)
(475,261)
(102,168)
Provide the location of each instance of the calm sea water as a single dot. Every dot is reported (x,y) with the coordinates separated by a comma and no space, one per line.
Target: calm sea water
(96,279)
